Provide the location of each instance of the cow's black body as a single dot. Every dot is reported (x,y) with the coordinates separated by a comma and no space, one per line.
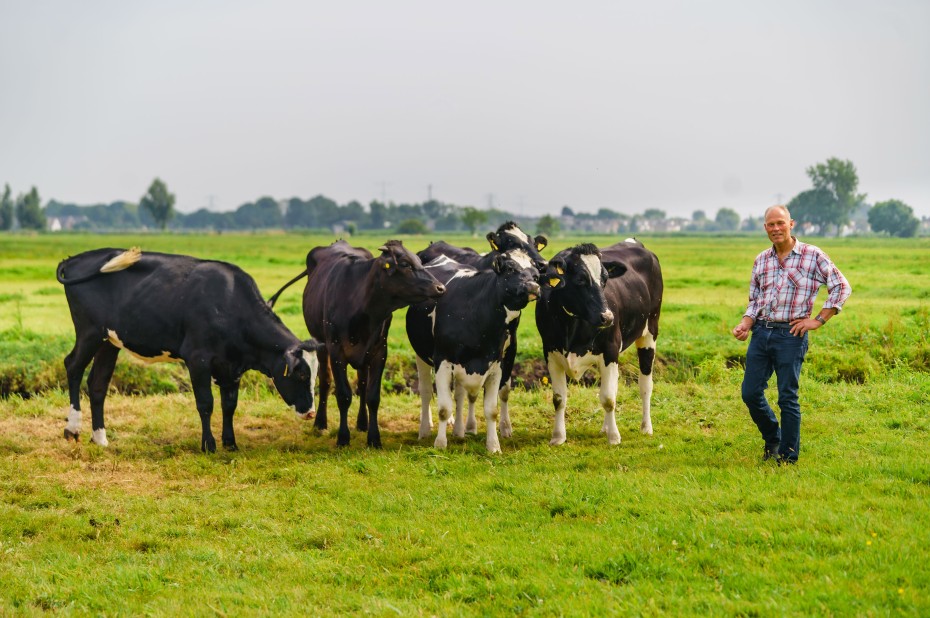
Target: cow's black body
(465,336)
(586,323)
(348,301)
(164,307)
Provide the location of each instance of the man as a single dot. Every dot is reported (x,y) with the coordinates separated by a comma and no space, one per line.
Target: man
(785,281)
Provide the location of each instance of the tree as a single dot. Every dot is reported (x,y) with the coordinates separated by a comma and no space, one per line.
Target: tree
(894,217)
(29,211)
(654,214)
(816,206)
(841,180)
(547,225)
(472,218)
(567,212)
(6,209)
(412,226)
(727,219)
(699,216)
(159,203)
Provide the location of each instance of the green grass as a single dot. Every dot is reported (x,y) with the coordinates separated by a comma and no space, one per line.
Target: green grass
(689,521)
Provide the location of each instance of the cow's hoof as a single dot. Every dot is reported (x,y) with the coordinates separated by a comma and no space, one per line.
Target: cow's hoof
(231,447)
(440,443)
(208,446)
(71,435)
(613,440)
(556,441)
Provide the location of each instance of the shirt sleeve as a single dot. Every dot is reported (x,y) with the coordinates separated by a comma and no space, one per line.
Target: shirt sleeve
(838,288)
(755,291)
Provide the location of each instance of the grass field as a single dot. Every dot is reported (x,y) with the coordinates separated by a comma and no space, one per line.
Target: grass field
(688,521)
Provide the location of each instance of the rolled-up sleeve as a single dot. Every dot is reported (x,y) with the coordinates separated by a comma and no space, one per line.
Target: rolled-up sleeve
(838,288)
(755,291)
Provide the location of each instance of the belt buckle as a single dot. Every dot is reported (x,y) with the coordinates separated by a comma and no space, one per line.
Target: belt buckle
(769,324)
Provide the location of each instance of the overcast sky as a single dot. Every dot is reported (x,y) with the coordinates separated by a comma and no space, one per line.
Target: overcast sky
(531,105)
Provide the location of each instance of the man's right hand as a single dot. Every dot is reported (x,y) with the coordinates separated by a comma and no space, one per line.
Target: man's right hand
(741,331)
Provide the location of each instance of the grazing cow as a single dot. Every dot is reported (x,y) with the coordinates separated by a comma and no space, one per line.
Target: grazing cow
(348,302)
(508,237)
(163,307)
(465,334)
(595,305)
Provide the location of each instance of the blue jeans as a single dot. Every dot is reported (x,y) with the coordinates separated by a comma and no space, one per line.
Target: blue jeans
(775,350)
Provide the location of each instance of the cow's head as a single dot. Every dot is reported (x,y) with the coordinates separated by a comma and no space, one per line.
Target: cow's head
(517,274)
(577,277)
(509,236)
(295,374)
(401,276)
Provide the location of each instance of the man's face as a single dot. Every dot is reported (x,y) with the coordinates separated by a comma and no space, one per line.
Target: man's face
(778,226)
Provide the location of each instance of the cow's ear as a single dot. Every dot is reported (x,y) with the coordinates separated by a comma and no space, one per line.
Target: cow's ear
(555,273)
(493,241)
(614,269)
(498,263)
(541,242)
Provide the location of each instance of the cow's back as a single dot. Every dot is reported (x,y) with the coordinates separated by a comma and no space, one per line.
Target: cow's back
(635,298)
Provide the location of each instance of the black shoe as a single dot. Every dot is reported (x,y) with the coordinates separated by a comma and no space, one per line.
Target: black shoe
(770,452)
(785,461)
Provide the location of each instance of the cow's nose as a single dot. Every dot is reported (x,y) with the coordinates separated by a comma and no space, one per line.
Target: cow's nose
(607,318)
(440,288)
(533,289)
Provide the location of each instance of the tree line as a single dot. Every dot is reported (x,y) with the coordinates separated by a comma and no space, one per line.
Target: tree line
(823,209)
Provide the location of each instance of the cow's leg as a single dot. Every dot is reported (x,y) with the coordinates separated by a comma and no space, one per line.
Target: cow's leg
(361,421)
(425,378)
(503,395)
(343,399)
(559,400)
(75,363)
(463,426)
(203,396)
(98,381)
(326,379)
(490,409)
(372,392)
(610,375)
(444,401)
(507,363)
(646,349)
(229,399)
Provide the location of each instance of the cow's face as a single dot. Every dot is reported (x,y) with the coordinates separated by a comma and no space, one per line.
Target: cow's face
(577,277)
(509,237)
(295,374)
(402,278)
(516,274)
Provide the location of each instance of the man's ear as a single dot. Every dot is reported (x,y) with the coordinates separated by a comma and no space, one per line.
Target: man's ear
(493,241)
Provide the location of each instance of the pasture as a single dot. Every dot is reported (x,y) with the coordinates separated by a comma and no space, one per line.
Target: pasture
(688,521)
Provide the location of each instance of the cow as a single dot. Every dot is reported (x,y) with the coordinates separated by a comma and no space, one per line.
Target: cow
(593,305)
(508,238)
(164,307)
(465,334)
(347,304)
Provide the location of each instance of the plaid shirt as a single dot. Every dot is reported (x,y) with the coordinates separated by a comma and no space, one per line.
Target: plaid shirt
(782,292)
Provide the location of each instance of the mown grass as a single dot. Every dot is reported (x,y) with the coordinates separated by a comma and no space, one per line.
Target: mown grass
(689,521)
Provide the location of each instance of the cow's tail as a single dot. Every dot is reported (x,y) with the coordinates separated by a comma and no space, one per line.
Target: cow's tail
(121,262)
(273,299)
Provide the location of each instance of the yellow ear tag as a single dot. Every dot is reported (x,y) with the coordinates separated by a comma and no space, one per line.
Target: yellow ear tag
(386,266)
(285,370)
(559,270)
(493,245)
(554,281)
(540,246)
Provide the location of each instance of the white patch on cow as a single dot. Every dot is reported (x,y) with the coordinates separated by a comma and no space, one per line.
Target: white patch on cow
(449,376)
(518,233)
(503,396)
(441,260)
(511,315)
(425,377)
(99,436)
(645,382)
(563,366)
(432,319)
(74,421)
(632,241)
(594,266)
(608,398)
(521,257)
(164,357)
(462,274)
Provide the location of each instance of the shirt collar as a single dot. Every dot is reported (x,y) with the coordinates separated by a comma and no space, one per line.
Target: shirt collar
(795,249)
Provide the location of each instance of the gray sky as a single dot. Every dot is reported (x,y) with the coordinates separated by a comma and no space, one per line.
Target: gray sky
(676,105)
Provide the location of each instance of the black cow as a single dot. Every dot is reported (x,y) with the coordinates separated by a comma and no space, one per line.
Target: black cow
(595,305)
(348,302)
(464,335)
(163,307)
(508,237)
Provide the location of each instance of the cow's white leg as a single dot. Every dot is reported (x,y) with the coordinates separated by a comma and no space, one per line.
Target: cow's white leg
(491,383)
(425,376)
(503,395)
(99,436)
(444,401)
(461,427)
(608,396)
(559,400)
(73,427)
(646,348)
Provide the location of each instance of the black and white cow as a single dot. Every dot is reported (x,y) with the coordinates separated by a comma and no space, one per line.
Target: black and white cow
(465,335)
(594,304)
(348,301)
(508,237)
(163,307)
